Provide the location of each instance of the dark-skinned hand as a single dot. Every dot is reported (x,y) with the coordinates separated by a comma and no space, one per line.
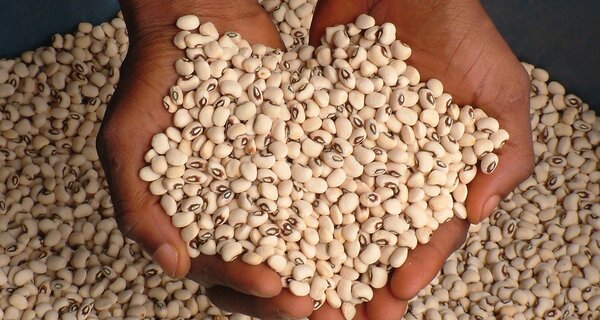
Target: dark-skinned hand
(445,45)
(456,42)
(136,114)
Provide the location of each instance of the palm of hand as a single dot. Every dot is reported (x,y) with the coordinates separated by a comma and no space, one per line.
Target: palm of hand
(455,42)
(135,115)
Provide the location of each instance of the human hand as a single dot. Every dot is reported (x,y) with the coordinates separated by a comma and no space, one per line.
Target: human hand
(455,42)
(136,114)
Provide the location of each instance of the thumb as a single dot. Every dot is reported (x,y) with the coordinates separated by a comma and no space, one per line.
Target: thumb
(138,213)
(487,190)
(153,230)
(516,163)
(426,260)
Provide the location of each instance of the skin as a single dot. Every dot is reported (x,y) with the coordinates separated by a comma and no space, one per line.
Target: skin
(453,40)
(456,42)
(136,112)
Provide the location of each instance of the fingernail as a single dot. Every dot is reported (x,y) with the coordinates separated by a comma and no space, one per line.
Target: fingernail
(166,256)
(489,206)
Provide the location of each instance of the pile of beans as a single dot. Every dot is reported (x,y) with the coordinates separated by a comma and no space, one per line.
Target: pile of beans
(61,253)
(62,256)
(328,163)
(538,256)
(292,18)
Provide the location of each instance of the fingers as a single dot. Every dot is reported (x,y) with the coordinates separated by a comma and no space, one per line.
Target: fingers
(345,12)
(385,306)
(327,312)
(138,213)
(426,260)
(133,117)
(148,225)
(157,236)
(516,158)
(283,306)
(257,280)
(265,31)
(361,313)
(486,191)
(141,218)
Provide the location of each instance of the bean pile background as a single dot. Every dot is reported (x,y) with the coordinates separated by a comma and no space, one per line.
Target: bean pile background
(62,256)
